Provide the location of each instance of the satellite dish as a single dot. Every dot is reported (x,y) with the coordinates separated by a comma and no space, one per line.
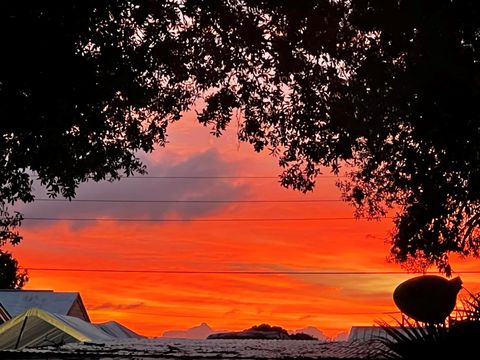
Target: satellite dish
(429,298)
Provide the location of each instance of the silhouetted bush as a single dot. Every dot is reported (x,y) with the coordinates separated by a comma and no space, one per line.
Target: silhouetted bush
(302,336)
(267,327)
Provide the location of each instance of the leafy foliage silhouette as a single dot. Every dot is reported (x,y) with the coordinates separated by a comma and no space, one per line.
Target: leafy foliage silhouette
(11,277)
(387,89)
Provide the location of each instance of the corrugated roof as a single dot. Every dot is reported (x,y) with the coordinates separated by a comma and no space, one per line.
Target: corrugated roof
(37,328)
(16,302)
(118,330)
(366,333)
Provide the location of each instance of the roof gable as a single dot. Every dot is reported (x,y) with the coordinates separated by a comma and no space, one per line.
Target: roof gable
(17,301)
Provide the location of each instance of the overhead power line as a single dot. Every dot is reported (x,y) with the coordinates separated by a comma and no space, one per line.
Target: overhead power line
(187,201)
(233,272)
(222,177)
(210,316)
(201,177)
(192,220)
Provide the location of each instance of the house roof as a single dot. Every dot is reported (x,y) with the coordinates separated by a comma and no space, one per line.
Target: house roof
(118,331)
(36,328)
(365,333)
(63,303)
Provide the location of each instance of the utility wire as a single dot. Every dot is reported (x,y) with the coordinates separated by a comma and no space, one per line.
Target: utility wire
(223,177)
(169,313)
(201,177)
(192,220)
(227,272)
(187,201)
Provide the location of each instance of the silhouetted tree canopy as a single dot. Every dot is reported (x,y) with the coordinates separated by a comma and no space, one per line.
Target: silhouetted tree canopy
(302,336)
(11,277)
(387,89)
(83,86)
(267,327)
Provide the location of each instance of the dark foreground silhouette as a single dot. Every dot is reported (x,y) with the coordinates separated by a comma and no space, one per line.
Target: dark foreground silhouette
(263,332)
(429,299)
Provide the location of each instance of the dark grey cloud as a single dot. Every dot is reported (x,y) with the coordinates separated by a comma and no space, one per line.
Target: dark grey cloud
(205,164)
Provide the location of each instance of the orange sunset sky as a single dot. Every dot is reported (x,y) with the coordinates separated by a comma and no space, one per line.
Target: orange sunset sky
(151,303)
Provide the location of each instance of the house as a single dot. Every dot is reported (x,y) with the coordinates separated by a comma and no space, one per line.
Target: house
(16,302)
(37,328)
(37,318)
